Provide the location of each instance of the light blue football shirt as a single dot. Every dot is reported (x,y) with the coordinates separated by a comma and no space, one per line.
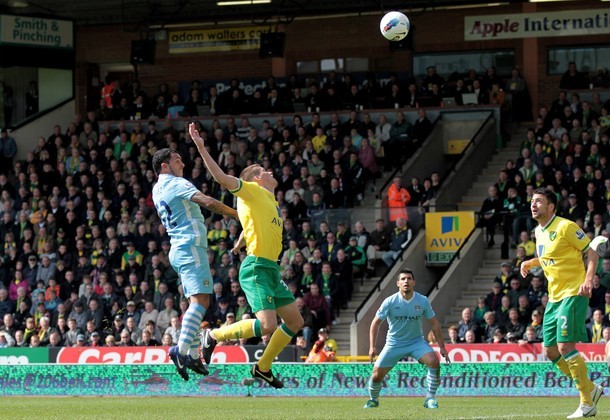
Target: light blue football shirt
(404,317)
(181,217)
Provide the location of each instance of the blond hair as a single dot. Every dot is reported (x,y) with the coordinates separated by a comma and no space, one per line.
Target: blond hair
(250,172)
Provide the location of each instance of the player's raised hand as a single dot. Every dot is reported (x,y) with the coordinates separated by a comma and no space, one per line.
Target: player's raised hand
(195,136)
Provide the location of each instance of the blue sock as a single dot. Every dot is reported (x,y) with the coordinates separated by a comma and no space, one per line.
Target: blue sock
(191,324)
(433,379)
(194,349)
(374,389)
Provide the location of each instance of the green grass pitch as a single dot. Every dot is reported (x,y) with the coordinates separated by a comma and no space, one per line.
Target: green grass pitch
(288,408)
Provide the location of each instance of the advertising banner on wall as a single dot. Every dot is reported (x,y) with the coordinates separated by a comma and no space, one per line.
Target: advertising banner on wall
(217,39)
(36,32)
(459,353)
(445,233)
(23,356)
(157,355)
(302,380)
(484,353)
(544,24)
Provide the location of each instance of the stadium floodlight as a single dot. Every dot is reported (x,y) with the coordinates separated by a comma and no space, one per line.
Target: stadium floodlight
(241,2)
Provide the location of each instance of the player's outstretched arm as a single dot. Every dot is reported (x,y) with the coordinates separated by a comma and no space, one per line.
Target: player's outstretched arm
(438,334)
(212,204)
(373,337)
(228,181)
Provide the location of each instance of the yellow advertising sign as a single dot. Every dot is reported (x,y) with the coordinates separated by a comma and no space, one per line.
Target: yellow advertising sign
(218,39)
(456,146)
(445,233)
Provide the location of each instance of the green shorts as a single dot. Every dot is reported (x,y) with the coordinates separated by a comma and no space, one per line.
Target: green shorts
(564,321)
(261,282)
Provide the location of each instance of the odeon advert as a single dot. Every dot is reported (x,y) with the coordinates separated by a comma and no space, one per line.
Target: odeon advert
(476,370)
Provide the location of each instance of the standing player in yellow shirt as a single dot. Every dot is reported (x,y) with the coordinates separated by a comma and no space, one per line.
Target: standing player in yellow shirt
(259,274)
(560,245)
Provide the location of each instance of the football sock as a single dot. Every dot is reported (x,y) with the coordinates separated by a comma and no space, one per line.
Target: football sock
(562,365)
(280,338)
(578,368)
(247,328)
(191,324)
(194,350)
(433,379)
(374,389)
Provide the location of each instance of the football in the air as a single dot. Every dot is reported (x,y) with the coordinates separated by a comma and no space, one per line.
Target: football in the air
(600,245)
(394,26)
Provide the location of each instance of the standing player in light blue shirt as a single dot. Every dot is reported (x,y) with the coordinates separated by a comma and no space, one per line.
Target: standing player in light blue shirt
(405,312)
(177,202)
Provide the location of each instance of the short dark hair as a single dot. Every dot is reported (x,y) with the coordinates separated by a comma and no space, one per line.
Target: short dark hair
(550,195)
(406,271)
(161,156)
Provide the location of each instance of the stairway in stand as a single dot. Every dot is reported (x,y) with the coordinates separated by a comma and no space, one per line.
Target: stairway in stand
(340,332)
(480,285)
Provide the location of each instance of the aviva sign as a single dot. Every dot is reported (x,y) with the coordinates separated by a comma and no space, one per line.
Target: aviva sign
(445,233)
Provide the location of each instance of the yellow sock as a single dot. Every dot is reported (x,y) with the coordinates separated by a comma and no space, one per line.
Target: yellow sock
(243,329)
(578,369)
(562,365)
(280,339)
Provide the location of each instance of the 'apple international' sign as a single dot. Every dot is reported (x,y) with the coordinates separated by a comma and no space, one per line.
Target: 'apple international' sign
(530,25)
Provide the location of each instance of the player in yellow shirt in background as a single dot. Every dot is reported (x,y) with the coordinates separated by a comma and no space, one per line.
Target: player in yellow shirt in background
(259,274)
(560,245)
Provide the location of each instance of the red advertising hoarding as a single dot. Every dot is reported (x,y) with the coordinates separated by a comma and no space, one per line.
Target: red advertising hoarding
(459,353)
(158,355)
(506,353)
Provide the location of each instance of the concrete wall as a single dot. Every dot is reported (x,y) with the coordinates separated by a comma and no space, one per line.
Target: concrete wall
(466,171)
(458,276)
(27,136)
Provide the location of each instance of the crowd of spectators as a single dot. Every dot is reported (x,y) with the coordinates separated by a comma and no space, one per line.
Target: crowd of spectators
(334,92)
(84,260)
(567,150)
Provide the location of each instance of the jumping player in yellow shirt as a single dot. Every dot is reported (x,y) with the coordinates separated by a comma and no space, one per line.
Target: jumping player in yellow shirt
(259,274)
(560,245)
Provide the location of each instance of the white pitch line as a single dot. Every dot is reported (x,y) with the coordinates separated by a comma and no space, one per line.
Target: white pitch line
(514,416)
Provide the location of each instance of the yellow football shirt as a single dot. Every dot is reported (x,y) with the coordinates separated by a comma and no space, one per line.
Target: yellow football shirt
(259,215)
(559,247)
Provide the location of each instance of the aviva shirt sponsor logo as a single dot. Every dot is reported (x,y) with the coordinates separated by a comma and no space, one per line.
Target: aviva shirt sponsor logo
(544,262)
(277,221)
(540,250)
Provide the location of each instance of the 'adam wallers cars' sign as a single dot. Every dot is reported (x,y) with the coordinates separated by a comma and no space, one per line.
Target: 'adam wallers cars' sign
(528,25)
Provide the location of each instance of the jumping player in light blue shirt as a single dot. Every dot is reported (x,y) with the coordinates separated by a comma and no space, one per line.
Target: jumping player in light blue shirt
(177,202)
(405,312)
